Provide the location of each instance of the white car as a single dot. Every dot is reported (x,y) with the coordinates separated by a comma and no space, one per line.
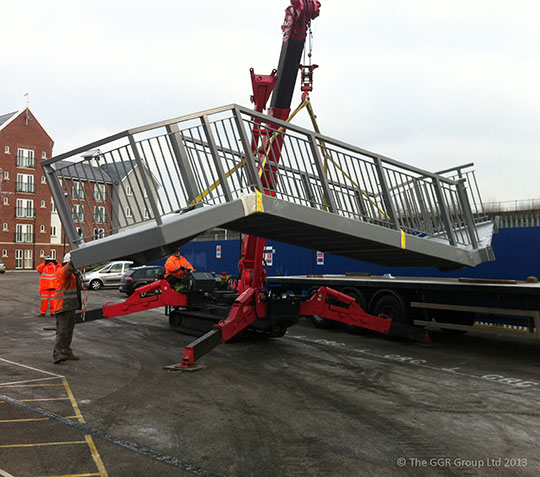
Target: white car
(107,276)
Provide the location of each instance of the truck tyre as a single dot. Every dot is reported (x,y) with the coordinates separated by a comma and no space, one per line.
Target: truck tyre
(318,321)
(391,306)
(96,285)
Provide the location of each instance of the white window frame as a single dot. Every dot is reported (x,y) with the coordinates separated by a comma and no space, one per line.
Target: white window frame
(6,149)
(43,155)
(27,156)
(53,207)
(6,200)
(6,175)
(77,190)
(43,204)
(4,252)
(129,212)
(43,180)
(41,253)
(53,253)
(18,259)
(53,231)
(27,205)
(27,179)
(28,262)
(99,210)
(129,190)
(99,192)
(78,213)
(41,229)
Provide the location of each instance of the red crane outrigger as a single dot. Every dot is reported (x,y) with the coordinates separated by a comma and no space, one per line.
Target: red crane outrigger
(251,302)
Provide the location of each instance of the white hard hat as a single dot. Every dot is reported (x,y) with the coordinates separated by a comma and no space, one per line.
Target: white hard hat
(67,258)
(48,258)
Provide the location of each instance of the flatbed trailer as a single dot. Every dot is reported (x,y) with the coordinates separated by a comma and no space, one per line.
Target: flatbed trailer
(452,304)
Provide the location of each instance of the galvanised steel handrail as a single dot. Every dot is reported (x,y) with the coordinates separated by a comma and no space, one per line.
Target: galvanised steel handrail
(211,158)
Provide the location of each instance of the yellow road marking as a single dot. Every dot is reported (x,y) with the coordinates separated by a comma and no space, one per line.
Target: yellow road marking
(73,475)
(41,444)
(25,420)
(96,456)
(78,414)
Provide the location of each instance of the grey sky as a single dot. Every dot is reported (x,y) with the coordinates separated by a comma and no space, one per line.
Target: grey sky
(431,83)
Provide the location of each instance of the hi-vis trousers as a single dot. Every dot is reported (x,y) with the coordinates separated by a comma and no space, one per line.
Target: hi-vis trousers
(47,298)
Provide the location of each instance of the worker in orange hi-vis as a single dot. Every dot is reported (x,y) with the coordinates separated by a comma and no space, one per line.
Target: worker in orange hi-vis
(176,267)
(47,275)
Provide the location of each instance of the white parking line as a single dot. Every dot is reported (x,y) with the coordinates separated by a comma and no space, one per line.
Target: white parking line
(30,367)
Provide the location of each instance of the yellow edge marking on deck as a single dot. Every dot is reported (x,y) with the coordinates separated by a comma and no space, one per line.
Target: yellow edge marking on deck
(41,444)
(259,201)
(73,402)
(403,240)
(25,420)
(96,456)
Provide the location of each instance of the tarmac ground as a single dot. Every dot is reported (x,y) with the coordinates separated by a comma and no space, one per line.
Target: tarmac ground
(313,403)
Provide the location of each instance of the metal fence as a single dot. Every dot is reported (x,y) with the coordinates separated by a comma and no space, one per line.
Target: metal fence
(216,156)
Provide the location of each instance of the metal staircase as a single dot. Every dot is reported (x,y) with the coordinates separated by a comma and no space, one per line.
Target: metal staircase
(145,191)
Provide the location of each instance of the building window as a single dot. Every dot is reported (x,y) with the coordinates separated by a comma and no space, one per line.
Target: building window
(6,175)
(42,253)
(28,259)
(43,180)
(99,233)
(6,149)
(4,226)
(42,229)
(43,155)
(6,201)
(128,212)
(4,253)
(129,191)
(18,259)
(25,158)
(146,214)
(25,209)
(53,253)
(25,183)
(78,213)
(99,214)
(99,192)
(24,233)
(53,206)
(42,204)
(53,231)
(77,191)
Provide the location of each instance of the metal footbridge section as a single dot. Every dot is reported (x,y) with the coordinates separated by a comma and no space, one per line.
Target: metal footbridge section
(143,192)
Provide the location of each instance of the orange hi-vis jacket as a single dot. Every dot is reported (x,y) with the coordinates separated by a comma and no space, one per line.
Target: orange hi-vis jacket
(47,275)
(173,266)
(67,295)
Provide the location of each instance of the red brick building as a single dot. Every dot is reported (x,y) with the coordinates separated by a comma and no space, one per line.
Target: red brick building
(29,226)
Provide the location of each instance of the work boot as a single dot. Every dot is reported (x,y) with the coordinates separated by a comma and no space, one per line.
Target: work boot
(60,359)
(72,357)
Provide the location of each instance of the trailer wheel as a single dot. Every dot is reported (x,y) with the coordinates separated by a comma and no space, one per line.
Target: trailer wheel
(392,307)
(318,321)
